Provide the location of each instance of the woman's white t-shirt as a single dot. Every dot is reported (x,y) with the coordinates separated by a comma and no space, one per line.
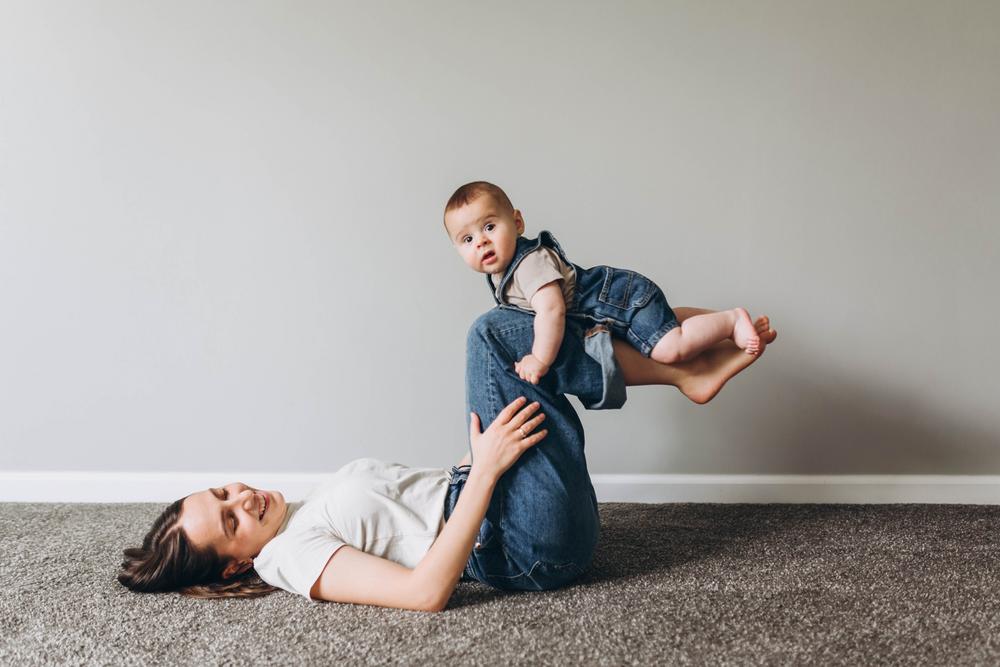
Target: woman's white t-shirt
(384,509)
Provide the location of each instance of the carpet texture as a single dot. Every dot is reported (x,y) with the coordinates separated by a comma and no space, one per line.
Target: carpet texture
(672,584)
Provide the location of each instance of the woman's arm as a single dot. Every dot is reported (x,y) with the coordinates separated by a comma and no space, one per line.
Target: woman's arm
(354,576)
(439,571)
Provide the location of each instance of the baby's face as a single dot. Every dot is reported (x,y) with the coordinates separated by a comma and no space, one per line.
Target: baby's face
(484,234)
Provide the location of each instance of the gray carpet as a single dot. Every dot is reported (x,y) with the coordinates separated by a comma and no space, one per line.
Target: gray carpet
(672,584)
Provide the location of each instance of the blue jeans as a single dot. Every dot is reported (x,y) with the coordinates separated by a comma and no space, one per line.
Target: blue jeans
(542,525)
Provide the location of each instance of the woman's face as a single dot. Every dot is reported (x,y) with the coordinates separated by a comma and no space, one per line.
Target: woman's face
(235,520)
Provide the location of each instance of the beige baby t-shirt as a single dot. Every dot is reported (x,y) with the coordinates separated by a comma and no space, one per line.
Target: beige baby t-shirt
(537,268)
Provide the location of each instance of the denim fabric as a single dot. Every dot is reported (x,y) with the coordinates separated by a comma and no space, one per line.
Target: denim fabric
(629,303)
(597,344)
(457,477)
(541,527)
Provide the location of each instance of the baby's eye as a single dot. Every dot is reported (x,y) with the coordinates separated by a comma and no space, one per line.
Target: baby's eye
(234,523)
(490,227)
(466,239)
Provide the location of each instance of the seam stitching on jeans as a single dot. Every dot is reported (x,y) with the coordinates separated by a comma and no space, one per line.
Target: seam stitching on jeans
(501,332)
(493,387)
(505,576)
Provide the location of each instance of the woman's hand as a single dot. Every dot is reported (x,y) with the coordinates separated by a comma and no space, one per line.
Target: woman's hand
(510,435)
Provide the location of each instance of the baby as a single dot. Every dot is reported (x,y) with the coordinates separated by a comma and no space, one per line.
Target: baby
(534,275)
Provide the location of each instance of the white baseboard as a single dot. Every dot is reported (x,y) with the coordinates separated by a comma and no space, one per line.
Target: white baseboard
(113,487)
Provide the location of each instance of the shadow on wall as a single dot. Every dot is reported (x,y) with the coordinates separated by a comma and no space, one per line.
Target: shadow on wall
(835,425)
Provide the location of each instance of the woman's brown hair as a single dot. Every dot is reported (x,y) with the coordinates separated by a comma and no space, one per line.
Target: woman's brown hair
(168,561)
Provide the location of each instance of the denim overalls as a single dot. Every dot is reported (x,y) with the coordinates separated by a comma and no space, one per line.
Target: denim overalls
(542,525)
(630,304)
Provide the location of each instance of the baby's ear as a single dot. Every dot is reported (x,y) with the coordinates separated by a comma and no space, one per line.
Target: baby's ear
(519,222)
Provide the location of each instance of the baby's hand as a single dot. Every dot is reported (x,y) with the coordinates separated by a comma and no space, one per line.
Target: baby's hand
(530,369)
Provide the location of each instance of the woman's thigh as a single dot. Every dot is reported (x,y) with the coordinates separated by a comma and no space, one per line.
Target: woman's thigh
(542,525)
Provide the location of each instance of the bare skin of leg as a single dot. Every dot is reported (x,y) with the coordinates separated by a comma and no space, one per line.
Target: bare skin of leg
(700,331)
(762,324)
(700,378)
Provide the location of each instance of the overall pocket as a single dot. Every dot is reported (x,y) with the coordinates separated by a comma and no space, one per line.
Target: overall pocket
(624,289)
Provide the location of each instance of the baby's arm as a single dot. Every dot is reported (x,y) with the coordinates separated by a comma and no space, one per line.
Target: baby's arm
(550,324)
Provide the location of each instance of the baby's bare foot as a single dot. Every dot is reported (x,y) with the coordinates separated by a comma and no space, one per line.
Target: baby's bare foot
(709,371)
(744,333)
(762,325)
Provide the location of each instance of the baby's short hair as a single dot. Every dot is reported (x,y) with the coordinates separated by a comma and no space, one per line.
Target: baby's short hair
(472,191)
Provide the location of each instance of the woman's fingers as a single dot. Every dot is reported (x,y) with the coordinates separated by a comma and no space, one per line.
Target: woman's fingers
(534,438)
(533,423)
(474,426)
(508,412)
(518,420)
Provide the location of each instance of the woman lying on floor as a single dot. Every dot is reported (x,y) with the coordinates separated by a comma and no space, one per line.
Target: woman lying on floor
(520,517)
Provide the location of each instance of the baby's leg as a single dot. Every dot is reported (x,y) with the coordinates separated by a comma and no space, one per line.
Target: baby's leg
(684,312)
(701,378)
(697,333)
(762,325)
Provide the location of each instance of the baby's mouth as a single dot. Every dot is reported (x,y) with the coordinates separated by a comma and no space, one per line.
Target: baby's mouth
(489,255)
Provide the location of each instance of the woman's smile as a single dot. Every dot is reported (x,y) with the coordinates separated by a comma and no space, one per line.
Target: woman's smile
(264,506)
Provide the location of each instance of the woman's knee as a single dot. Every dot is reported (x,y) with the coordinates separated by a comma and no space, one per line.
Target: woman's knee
(495,321)
(502,332)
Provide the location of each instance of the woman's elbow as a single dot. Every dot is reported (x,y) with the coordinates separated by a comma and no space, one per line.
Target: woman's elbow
(431,599)
(433,603)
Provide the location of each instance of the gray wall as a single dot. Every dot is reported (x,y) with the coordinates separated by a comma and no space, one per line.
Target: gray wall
(220,227)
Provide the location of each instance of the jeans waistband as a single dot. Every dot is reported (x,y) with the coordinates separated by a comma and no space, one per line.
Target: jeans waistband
(457,477)
(456,482)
